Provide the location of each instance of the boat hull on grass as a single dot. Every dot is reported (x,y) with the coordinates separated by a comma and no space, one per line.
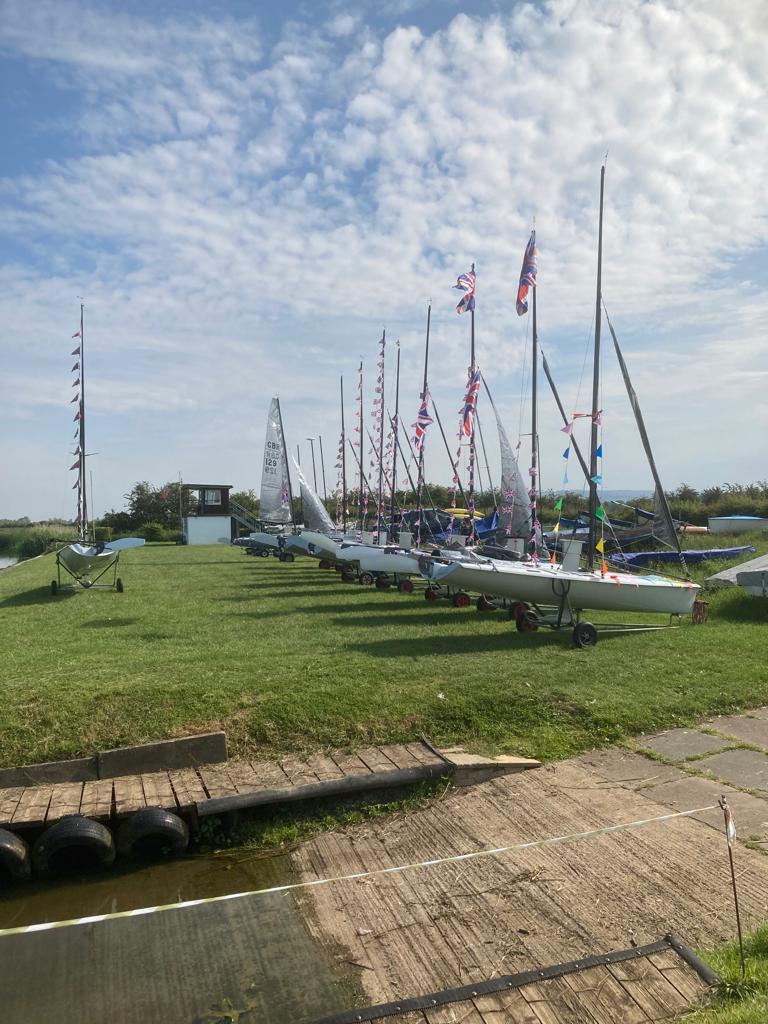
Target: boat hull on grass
(736,524)
(85,560)
(540,584)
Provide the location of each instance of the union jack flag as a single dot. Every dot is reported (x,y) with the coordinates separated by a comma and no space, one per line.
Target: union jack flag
(423,420)
(470,403)
(466,283)
(527,274)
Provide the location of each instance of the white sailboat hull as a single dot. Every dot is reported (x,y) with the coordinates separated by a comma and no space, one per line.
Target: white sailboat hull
(266,540)
(379,559)
(83,560)
(546,584)
(324,546)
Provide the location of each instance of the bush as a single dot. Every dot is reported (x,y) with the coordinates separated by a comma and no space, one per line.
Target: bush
(35,543)
(104,533)
(152,531)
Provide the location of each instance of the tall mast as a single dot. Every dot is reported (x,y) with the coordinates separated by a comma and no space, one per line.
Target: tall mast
(472,451)
(284,455)
(595,390)
(81,492)
(534,424)
(381,446)
(420,471)
(360,457)
(343,463)
(394,430)
(322,466)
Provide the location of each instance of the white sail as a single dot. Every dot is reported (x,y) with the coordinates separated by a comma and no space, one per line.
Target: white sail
(275,484)
(315,513)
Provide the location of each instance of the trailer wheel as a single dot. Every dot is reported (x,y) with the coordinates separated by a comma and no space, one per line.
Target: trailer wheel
(366,578)
(119,585)
(431,594)
(264,553)
(54,587)
(405,586)
(461,600)
(584,634)
(14,858)
(347,575)
(71,842)
(288,556)
(382,583)
(151,830)
(324,563)
(526,622)
(484,605)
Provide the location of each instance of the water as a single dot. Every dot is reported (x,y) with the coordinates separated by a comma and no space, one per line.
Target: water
(5,562)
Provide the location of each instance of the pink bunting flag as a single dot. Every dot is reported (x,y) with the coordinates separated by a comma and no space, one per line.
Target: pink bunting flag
(567,429)
(75,367)
(75,351)
(75,399)
(75,465)
(76,334)
(75,382)
(77,416)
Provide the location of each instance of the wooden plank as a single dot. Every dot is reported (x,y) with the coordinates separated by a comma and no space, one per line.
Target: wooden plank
(350,764)
(158,791)
(299,773)
(687,982)
(657,996)
(129,794)
(244,777)
(454,1013)
(187,787)
(376,759)
(217,780)
(554,1002)
(503,1007)
(65,799)
(33,806)
(423,754)
(604,998)
(9,801)
(401,756)
(325,768)
(270,775)
(96,801)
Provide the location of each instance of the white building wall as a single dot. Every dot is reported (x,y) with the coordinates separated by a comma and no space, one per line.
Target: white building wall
(208,530)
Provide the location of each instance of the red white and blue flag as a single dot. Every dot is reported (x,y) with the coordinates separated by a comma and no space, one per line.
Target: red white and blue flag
(466,283)
(470,404)
(527,274)
(423,420)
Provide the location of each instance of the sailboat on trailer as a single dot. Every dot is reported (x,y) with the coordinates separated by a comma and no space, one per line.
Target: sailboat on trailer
(564,587)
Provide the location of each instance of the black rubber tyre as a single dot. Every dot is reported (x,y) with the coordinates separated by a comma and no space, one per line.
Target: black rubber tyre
(324,563)
(405,586)
(54,587)
(119,585)
(151,830)
(584,634)
(15,862)
(288,556)
(366,578)
(264,553)
(526,622)
(484,605)
(69,840)
(382,583)
(347,576)
(431,594)
(461,600)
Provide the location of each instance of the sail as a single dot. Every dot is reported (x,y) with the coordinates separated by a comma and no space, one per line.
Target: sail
(664,526)
(275,483)
(315,513)
(515,510)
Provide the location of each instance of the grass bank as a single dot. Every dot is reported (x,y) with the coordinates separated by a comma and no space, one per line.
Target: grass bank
(286,657)
(740,1000)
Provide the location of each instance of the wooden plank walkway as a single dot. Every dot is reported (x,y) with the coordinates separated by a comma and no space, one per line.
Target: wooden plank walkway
(209,789)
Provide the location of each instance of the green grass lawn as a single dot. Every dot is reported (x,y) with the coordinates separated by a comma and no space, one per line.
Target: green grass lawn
(286,657)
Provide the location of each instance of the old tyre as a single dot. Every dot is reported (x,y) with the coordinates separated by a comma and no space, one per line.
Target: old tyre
(366,578)
(526,622)
(584,634)
(405,586)
(461,600)
(15,862)
(264,553)
(74,842)
(151,831)
(119,585)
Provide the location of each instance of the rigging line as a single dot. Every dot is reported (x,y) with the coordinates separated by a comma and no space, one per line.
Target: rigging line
(456,858)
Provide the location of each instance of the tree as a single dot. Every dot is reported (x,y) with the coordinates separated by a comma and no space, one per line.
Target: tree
(248,499)
(148,504)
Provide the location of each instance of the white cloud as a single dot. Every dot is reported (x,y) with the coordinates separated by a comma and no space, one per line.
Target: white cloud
(245,218)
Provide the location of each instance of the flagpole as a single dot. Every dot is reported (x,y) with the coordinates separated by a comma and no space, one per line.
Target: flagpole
(343,463)
(420,472)
(595,390)
(360,459)
(472,449)
(534,424)
(322,466)
(394,449)
(81,496)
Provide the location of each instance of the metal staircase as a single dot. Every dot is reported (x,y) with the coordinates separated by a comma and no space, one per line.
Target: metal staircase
(243,516)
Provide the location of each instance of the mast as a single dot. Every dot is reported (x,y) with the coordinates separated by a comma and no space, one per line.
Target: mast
(394,429)
(534,423)
(322,466)
(284,456)
(381,447)
(343,463)
(595,390)
(360,457)
(420,469)
(472,450)
(82,500)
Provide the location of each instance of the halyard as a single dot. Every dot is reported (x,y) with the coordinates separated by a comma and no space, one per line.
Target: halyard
(287,657)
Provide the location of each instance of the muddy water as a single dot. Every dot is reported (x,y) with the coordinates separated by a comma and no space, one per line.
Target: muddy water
(128,887)
(5,561)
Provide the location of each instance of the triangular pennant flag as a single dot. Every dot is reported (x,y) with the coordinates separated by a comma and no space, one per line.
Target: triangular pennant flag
(600,514)
(605,567)
(553,559)
(75,367)
(75,465)
(76,334)
(556,528)
(75,351)
(75,399)
(565,479)
(559,505)
(566,453)
(75,382)
(567,429)
(77,416)
(596,479)
(599,452)
(77,484)
(600,546)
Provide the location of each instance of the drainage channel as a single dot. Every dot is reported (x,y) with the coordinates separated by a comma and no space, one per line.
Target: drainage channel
(253,955)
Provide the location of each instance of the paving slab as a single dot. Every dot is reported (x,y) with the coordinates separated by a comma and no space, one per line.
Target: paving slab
(746,728)
(749,812)
(680,744)
(747,769)
(633,771)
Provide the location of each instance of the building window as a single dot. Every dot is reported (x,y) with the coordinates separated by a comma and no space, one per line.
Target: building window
(212,498)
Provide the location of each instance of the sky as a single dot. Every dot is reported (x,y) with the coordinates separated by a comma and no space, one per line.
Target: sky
(245,195)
